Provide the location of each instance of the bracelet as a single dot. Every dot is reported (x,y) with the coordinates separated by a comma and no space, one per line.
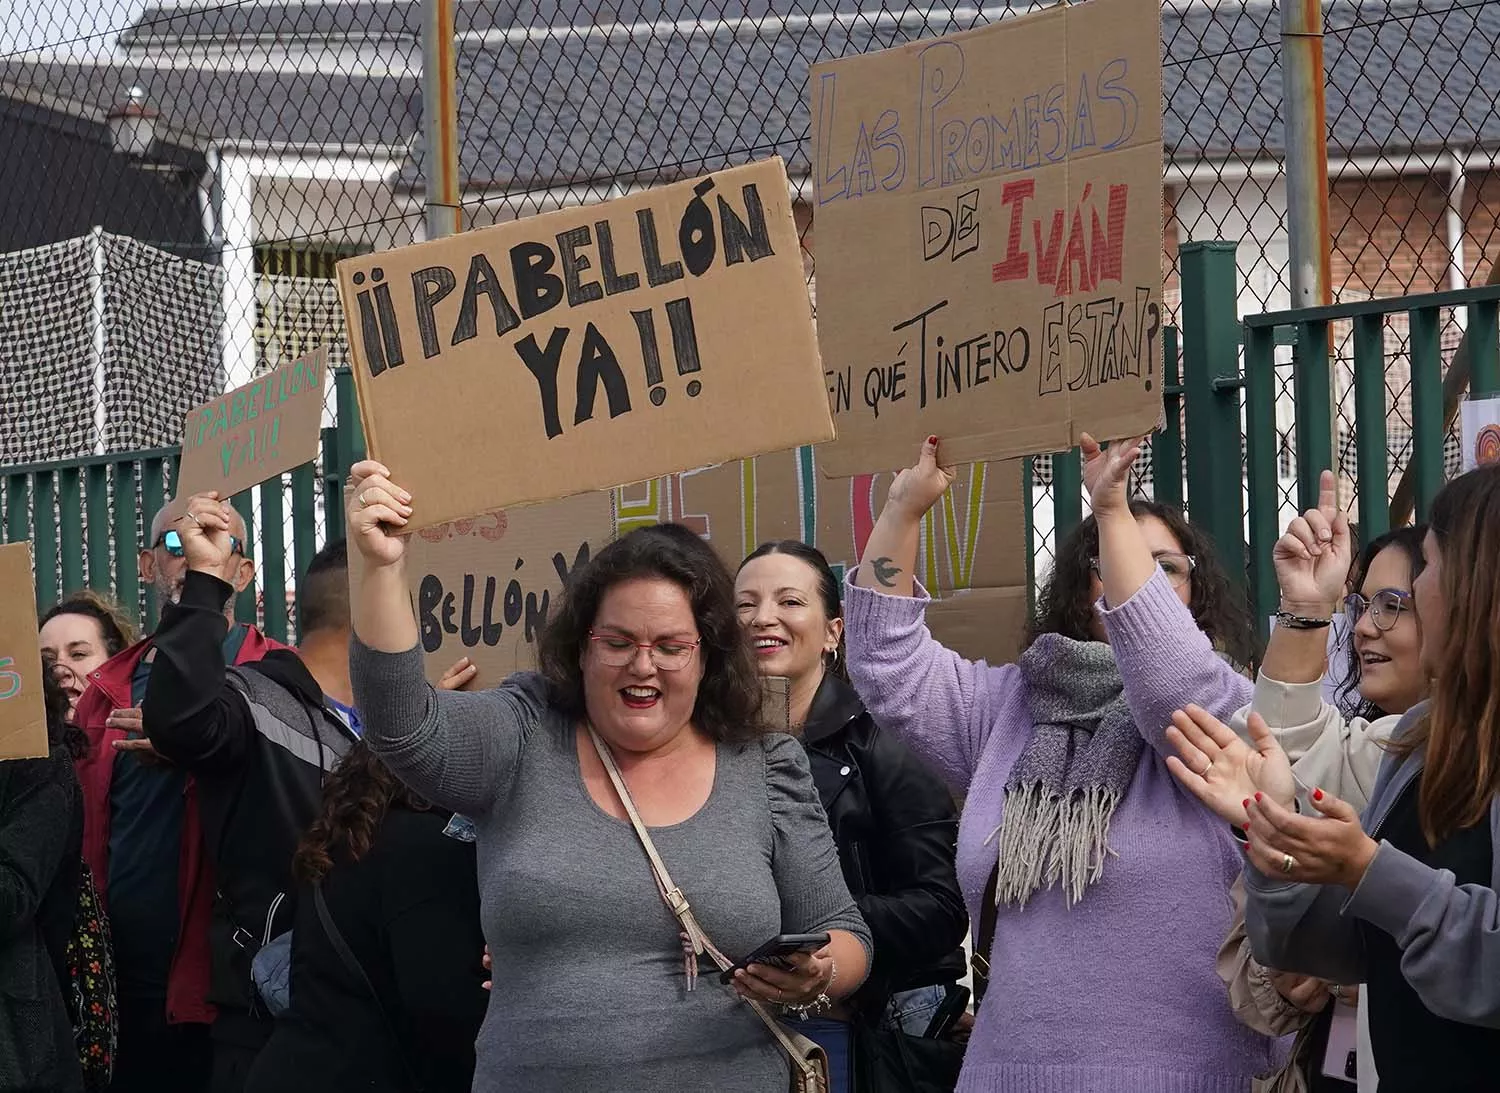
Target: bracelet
(821,1004)
(1300,622)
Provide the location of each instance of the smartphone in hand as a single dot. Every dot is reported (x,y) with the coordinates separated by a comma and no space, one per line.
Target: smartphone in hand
(774,953)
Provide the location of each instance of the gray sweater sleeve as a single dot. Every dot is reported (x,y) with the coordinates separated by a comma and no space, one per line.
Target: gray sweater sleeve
(1301,928)
(804,859)
(457,749)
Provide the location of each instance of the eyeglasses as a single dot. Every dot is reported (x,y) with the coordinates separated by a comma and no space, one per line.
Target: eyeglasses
(1177,567)
(1385,607)
(173,544)
(618,651)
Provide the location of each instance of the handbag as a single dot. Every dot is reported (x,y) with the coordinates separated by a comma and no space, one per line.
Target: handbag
(892,1061)
(809,1063)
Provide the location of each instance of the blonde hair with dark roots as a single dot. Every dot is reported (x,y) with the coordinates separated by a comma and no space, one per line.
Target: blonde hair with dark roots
(1461,732)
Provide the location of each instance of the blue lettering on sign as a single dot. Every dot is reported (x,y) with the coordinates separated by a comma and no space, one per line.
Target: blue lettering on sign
(10,681)
(876,148)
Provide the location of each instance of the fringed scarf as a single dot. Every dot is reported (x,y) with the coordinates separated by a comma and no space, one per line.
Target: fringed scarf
(1072,773)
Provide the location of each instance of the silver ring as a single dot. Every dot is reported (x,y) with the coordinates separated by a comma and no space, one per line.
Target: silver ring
(193,517)
(364,499)
(1204,772)
(1336,991)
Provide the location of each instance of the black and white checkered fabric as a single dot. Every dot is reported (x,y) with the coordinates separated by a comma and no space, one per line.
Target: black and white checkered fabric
(103,318)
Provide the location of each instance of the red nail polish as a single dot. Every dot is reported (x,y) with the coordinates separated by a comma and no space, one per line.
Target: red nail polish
(1245,803)
(1257,798)
(1246,826)
(932,440)
(1317,795)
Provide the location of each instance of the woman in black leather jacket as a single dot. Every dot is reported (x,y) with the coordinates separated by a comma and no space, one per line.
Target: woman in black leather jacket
(895,823)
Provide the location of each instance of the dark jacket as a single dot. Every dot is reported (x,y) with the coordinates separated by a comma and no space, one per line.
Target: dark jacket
(896,826)
(41,846)
(409,911)
(258,740)
(109,690)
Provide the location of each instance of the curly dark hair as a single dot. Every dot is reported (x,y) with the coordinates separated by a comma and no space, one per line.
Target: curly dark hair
(1409,541)
(728,706)
(356,797)
(59,729)
(828,586)
(1064,607)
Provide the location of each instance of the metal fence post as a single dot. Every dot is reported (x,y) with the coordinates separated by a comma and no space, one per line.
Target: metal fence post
(440,119)
(1303,111)
(1211,385)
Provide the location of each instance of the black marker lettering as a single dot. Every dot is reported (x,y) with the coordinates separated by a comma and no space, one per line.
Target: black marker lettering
(739,240)
(542,363)
(482,280)
(598,364)
(537,290)
(695,234)
(574,264)
(656,273)
(429,287)
(613,282)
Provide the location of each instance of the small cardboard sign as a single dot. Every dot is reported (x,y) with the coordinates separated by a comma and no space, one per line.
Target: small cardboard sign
(23,711)
(483,586)
(989,217)
(569,352)
(255,432)
(1479,421)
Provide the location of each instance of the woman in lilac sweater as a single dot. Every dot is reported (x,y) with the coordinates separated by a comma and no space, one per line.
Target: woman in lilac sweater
(1113,884)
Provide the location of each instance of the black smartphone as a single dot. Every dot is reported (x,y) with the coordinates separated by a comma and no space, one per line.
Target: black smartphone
(948,1013)
(774,952)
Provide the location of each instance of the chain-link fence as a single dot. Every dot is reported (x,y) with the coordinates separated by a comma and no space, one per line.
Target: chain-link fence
(248,146)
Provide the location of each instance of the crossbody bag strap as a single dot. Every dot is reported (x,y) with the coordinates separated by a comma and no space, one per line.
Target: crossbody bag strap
(673,897)
(346,954)
(984,940)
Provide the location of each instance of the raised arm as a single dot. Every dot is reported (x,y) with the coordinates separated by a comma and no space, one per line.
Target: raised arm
(457,749)
(933,699)
(192,715)
(1165,660)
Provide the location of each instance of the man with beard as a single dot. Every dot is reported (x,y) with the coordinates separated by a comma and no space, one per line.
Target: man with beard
(143,841)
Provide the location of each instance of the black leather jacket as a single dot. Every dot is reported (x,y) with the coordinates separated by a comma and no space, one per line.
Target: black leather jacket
(896,827)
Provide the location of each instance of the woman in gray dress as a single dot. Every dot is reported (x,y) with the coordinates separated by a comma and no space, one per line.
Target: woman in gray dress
(591,987)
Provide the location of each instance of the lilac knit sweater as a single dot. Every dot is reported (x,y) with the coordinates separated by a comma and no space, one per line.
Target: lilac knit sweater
(1119,994)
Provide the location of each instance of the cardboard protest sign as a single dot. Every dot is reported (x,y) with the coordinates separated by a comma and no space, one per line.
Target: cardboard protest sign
(23,713)
(255,432)
(572,351)
(483,586)
(1479,424)
(972,556)
(989,236)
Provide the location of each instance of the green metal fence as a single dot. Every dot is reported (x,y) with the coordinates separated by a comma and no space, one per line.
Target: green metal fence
(89,517)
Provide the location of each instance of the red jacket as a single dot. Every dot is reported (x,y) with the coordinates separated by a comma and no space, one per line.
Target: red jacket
(109,690)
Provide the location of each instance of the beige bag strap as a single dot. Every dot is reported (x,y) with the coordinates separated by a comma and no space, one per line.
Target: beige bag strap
(679,906)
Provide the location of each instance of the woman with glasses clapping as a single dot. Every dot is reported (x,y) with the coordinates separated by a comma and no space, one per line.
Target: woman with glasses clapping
(1338,748)
(647,694)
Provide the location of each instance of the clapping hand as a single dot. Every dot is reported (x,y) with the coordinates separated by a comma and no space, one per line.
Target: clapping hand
(1330,848)
(1223,771)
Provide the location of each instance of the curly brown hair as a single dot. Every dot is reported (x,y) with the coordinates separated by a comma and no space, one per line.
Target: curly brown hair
(728,706)
(1063,606)
(356,797)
